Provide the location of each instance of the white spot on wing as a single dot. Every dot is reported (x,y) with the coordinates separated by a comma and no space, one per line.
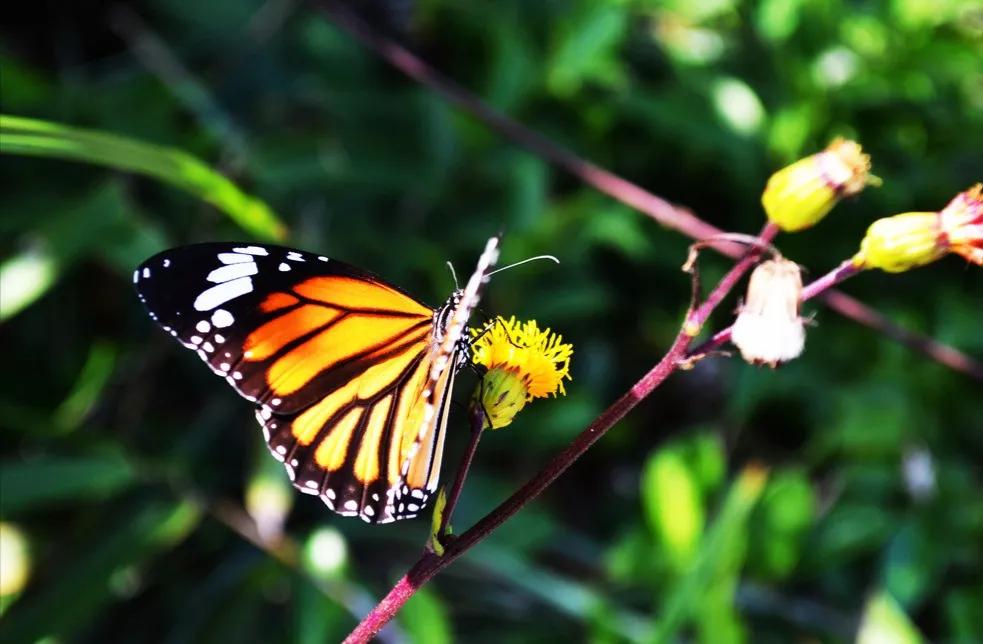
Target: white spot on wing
(222,318)
(167,263)
(252,250)
(322,258)
(203,326)
(136,276)
(351,504)
(232,271)
(146,272)
(222,293)
(233,258)
(284,267)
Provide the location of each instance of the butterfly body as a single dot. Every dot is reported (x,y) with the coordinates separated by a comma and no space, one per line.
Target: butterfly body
(350,375)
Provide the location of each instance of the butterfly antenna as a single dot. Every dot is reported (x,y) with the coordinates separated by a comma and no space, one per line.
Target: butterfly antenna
(525,261)
(457,287)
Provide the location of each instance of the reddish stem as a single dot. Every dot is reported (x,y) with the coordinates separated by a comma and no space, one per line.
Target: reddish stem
(844,271)
(477,417)
(384,611)
(430,564)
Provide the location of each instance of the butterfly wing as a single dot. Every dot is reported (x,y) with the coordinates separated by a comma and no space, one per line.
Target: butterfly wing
(336,360)
(349,374)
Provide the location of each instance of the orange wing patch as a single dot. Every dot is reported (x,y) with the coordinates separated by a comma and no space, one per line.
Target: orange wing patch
(353,294)
(330,454)
(276,301)
(307,425)
(367,462)
(273,336)
(407,419)
(352,336)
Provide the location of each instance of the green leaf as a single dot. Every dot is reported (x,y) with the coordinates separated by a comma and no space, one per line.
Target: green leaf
(720,556)
(24,278)
(425,619)
(673,505)
(587,48)
(885,621)
(34,137)
(88,387)
(40,483)
(786,511)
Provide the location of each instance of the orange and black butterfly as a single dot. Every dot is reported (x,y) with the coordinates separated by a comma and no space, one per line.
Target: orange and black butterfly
(351,376)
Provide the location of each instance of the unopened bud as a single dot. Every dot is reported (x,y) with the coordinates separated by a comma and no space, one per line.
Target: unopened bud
(901,242)
(913,239)
(800,195)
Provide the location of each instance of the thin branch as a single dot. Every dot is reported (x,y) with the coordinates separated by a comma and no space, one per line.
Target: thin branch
(841,273)
(476,417)
(669,215)
(430,564)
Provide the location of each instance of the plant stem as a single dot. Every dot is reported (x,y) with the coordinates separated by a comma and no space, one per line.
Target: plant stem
(430,564)
(477,419)
(844,271)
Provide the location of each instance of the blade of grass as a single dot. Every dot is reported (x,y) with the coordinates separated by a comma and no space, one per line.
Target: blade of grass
(44,482)
(721,539)
(33,137)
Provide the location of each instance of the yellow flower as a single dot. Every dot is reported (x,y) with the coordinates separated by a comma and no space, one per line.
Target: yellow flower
(800,195)
(913,239)
(769,329)
(523,362)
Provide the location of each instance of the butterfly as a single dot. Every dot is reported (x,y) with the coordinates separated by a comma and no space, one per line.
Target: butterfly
(350,375)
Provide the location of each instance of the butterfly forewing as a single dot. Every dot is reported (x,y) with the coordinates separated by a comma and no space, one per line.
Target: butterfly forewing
(350,377)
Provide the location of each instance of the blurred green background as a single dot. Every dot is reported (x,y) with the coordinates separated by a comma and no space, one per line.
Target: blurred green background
(129,475)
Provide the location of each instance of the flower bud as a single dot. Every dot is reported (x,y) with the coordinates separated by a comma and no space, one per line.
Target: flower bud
(901,242)
(800,195)
(913,239)
(769,329)
(502,395)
